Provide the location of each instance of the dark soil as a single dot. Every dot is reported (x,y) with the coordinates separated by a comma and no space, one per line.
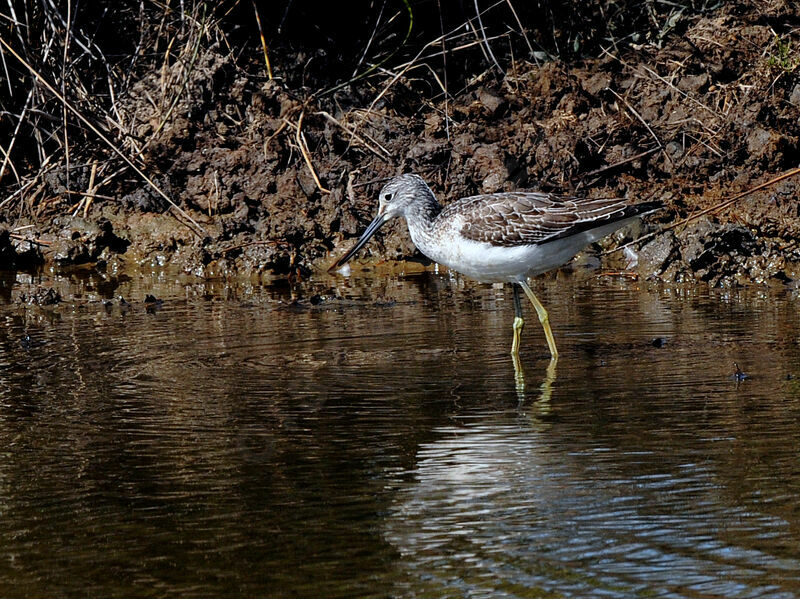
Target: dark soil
(707,108)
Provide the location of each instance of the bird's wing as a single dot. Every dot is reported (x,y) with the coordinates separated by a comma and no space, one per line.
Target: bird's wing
(525,218)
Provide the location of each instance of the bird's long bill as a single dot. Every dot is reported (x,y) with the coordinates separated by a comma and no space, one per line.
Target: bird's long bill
(376,224)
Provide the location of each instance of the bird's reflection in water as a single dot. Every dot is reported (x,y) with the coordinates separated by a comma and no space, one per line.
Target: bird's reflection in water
(546,387)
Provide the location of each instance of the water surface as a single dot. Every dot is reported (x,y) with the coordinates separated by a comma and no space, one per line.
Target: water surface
(368,438)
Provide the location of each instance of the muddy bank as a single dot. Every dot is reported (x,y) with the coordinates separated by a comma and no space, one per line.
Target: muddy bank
(270,179)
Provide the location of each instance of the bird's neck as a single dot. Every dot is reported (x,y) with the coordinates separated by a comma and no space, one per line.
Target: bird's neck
(421,219)
(422,214)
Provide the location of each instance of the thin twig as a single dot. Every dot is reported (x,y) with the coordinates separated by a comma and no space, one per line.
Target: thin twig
(378,150)
(105,139)
(86,194)
(663,80)
(603,169)
(522,31)
(486,41)
(638,116)
(29,240)
(301,141)
(263,40)
(721,206)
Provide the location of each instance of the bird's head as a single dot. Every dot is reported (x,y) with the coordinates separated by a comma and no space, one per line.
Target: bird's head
(395,199)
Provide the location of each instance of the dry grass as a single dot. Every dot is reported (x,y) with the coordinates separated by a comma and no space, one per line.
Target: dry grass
(78,121)
(68,131)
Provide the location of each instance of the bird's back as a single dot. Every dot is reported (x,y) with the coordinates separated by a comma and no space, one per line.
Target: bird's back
(527,218)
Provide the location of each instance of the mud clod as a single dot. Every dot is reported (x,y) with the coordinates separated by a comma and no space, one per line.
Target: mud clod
(81,241)
(19,254)
(279,174)
(41,296)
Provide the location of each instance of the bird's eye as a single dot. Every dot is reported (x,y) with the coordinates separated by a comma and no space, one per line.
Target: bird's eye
(387,197)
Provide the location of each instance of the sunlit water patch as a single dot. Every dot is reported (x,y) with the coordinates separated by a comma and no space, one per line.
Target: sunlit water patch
(370,437)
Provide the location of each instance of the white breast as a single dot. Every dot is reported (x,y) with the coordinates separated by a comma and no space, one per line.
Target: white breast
(489,263)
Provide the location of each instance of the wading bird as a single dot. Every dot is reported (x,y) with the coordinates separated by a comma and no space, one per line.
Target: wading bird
(500,237)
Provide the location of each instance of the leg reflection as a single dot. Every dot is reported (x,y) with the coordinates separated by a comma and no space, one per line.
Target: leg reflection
(546,387)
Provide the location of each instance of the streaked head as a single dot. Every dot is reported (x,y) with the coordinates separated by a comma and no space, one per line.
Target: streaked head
(400,193)
(395,198)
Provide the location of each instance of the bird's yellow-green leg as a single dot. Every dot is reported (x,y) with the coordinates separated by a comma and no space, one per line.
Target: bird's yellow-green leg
(518,323)
(543,318)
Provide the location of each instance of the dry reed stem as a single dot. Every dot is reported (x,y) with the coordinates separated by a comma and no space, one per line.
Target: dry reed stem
(105,139)
(91,187)
(522,31)
(622,162)
(177,97)
(633,111)
(6,160)
(65,113)
(378,150)
(486,41)
(34,241)
(718,207)
(86,200)
(87,194)
(7,153)
(413,63)
(444,73)
(301,141)
(263,40)
(165,68)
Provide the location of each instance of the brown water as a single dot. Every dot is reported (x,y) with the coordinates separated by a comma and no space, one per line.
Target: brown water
(369,439)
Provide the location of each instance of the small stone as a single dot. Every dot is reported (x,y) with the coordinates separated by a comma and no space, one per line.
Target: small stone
(492,183)
(492,103)
(693,82)
(654,257)
(795,97)
(596,83)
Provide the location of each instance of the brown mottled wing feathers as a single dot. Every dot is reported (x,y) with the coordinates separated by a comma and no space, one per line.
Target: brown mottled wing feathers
(517,218)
